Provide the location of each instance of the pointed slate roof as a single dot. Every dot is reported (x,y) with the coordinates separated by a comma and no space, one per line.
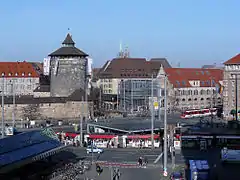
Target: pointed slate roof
(68,49)
(68,40)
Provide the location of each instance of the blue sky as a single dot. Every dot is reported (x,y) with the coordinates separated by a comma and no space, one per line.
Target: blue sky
(187,31)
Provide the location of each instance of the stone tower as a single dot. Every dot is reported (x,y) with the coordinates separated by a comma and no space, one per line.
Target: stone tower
(68,69)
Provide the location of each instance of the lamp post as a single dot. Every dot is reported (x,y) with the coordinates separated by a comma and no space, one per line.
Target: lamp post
(165,126)
(152,116)
(3,106)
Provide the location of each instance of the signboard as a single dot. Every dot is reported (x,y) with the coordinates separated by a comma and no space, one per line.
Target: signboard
(155,104)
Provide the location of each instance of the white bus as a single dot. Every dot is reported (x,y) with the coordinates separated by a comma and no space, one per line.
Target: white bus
(230,155)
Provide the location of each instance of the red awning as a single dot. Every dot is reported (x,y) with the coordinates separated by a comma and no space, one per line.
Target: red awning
(101,136)
(73,135)
(142,136)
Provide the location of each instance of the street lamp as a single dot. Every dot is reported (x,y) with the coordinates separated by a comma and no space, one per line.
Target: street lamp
(3,107)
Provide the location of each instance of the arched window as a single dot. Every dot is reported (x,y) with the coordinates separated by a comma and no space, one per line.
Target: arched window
(195,99)
(208,91)
(189,99)
(189,92)
(208,99)
(202,99)
(183,99)
(195,92)
(202,92)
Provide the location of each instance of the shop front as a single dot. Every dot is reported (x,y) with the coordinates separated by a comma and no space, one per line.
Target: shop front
(102,140)
(142,141)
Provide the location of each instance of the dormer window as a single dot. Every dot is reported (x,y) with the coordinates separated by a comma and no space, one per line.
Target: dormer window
(9,74)
(29,74)
(16,74)
(3,74)
(23,74)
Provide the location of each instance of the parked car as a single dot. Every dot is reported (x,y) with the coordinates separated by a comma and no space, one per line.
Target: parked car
(94,149)
(176,176)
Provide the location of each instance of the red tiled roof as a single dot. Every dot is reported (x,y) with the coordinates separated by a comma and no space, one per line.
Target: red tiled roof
(233,60)
(17,69)
(129,68)
(180,77)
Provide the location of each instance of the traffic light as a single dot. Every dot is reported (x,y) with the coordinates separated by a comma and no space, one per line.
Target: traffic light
(99,169)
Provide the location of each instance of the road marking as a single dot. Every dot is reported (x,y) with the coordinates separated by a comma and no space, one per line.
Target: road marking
(117,157)
(158,158)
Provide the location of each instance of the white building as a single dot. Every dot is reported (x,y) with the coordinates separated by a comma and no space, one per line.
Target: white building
(18,78)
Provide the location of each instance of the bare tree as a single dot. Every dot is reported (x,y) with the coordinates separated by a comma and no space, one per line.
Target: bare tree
(31,112)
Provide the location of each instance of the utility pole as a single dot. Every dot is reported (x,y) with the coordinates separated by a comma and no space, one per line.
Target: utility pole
(236,98)
(159,101)
(81,131)
(211,105)
(152,119)
(14,102)
(117,95)
(124,103)
(165,127)
(3,128)
(132,95)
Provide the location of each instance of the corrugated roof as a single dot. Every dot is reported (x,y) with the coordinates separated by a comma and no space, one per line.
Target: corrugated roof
(17,69)
(233,60)
(180,77)
(130,68)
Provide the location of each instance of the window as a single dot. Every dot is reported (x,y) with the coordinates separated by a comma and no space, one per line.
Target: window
(208,82)
(23,74)
(202,83)
(202,92)
(16,74)
(184,83)
(29,74)
(189,99)
(213,82)
(183,99)
(178,83)
(3,74)
(195,99)
(195,92)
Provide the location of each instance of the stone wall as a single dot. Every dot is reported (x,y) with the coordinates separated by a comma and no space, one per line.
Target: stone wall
(67,75)
(69,110)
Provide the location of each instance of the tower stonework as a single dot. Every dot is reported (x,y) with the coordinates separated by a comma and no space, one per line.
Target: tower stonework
(68,69)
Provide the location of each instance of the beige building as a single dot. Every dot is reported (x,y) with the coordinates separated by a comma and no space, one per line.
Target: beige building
(231,87)
(124,69)
(194,88)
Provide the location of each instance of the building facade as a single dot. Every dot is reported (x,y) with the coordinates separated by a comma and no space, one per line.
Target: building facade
(125,82)
(18,78)
(231,90)
(68,69)
(194,88)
